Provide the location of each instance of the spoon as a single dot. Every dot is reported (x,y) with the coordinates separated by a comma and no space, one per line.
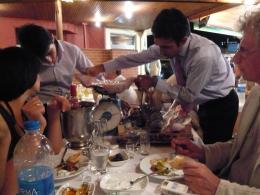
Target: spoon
(134,181)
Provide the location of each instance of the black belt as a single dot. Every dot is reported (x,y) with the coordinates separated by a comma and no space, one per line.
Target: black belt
(228,97)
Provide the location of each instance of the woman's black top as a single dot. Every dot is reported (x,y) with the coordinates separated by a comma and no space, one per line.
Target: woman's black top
(10,120)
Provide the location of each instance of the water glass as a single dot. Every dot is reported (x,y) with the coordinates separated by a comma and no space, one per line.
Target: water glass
(144,142)
(99,158)
(132,141)
(130,149)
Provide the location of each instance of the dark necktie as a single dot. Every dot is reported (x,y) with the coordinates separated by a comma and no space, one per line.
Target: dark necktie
(179,72)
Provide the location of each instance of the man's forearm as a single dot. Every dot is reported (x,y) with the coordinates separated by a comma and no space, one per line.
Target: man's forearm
(94,71)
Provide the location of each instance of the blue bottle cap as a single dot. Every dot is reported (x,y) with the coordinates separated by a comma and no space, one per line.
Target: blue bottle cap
(32,125)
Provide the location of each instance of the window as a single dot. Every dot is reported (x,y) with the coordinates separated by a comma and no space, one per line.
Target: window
(120,39)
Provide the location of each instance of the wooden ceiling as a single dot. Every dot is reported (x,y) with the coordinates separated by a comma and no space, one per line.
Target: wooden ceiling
(112,14)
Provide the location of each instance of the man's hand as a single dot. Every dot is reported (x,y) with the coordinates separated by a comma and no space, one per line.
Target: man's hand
(144,82)
(186,147)
(95,70)
(199,178)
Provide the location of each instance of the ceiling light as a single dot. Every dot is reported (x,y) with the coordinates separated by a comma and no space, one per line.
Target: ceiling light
(97,19)
(98,24)
(128,9)
(71,1)
(249,2)
(128,15)
(68,1)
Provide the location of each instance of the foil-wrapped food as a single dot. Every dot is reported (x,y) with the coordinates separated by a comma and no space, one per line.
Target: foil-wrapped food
(177,122)
(105,87)
(112,87)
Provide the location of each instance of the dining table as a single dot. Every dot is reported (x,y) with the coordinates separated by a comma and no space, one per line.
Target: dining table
(132,165)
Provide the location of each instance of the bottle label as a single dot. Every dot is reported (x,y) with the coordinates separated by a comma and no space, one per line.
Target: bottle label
(37,180)
(241,87)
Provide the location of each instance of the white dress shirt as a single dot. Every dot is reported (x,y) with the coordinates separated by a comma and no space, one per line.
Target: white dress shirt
(208,75)
(129,95)
(57,78)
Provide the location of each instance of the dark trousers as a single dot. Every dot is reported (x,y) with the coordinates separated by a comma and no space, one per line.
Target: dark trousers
(217,118)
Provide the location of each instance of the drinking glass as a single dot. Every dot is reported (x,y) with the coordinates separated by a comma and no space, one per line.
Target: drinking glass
(99,158)
(144,142)
(130,149)
(132,141)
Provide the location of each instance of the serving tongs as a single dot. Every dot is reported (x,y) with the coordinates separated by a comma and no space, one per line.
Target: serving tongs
(62,161)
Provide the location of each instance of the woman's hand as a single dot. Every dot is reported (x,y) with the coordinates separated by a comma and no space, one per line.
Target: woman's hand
(186,147)
(199,178)
(59,103)
(34,110)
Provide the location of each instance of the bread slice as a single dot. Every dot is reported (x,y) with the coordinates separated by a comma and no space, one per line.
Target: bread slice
(74,158)
(177,162)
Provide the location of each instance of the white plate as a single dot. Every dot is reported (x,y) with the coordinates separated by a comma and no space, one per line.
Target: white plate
(68,175)
(75,185)
(145,166)
(120,182)
(83,161)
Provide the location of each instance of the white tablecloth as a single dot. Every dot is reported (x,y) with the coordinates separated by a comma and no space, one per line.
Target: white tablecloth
(131,166)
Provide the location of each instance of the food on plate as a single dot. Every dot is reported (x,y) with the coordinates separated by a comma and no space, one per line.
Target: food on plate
(74,158)
(117,157)
(177,162)
(160,168)
(84,189)
(69,191)
(167,165)
(70,165)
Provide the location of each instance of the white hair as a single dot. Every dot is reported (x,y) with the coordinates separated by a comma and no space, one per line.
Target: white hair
(251,19)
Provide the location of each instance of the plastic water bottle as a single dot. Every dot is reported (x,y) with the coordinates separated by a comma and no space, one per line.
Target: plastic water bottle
(33,158)
(241,86)
(241,92)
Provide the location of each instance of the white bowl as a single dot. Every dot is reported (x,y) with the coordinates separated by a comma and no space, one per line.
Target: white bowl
(118,163)
(120,182)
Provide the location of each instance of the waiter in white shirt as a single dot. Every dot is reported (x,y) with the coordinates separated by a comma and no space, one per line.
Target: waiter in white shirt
(204,78)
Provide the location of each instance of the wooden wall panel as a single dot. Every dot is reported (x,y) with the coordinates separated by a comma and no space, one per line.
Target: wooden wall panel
(99,56)
(130,72)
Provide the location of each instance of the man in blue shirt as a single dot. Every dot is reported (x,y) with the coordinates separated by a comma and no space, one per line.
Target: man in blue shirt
(59,59)
(204,78)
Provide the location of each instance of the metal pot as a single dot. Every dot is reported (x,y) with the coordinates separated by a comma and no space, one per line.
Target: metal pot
(77,127)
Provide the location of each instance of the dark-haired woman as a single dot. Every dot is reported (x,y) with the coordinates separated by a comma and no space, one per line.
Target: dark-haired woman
(19,83)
